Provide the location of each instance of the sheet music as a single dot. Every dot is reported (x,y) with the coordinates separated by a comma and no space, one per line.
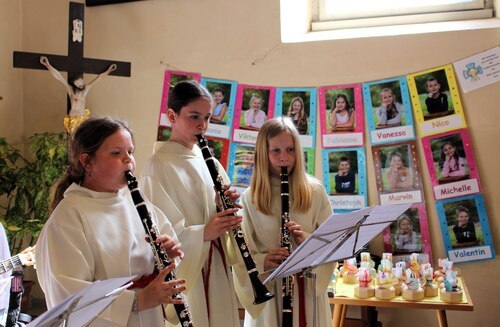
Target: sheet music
(340,237)
(85,305)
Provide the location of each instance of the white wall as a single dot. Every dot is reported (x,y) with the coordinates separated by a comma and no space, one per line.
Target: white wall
(240,40)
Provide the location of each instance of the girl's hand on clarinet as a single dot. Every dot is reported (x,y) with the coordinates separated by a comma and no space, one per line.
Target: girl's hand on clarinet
(221,223)
(232,194)
(159,291)
(173,248)
(296,231)
(274,258)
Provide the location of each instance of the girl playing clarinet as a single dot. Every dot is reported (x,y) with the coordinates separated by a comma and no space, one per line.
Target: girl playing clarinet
(95,233)
(278,146)
(177,180)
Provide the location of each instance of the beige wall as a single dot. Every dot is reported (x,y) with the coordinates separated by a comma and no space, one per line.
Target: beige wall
(240,40)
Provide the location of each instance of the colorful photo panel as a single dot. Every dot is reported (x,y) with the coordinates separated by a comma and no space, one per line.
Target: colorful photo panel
(241,165)
(465,229)
(224,95)
(254,106)
(344,178)
(451,164)
(341,116)
(388,110)
(170,79)
(397,173)
(409,234)
(309,160)
(436,101)
(300,105)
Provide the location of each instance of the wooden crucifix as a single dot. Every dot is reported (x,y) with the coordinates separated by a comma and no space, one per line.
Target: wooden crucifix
(74,63)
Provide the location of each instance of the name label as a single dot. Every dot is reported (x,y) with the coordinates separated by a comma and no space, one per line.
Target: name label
(455,189)
(392,134)
(244,136)
(164,120)
(343,139)
(347,201)
(470,254)
(401,198)
(216,130)
(306,141)
(442,124)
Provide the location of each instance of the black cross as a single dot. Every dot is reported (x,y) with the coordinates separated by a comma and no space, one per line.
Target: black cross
(74,63)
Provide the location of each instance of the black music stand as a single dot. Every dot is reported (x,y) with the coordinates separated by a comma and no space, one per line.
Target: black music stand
(84,306)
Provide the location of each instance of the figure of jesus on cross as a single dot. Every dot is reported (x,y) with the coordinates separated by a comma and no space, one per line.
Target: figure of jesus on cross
(77,92)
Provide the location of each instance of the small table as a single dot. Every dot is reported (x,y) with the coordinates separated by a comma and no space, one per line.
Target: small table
(347,298)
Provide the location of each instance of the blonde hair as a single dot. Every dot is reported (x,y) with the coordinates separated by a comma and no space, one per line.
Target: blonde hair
(299,180)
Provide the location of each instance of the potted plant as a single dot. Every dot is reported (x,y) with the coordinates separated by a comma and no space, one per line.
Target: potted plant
(25,185)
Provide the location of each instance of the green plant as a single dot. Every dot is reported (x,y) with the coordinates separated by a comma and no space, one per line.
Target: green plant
(25,185)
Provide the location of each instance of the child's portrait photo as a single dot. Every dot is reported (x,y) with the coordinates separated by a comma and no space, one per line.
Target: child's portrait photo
(406,235)
(222,95)
(309,160)
(219,149)
(343,171)
(340,114)
(386,99)
(434,94)
(296,105)
(243,165)
(449,158)
(255,108)
(397,171)
(463,222)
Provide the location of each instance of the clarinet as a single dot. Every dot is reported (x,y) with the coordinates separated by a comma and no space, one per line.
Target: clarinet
(261,293)
(161,258)
(287,282)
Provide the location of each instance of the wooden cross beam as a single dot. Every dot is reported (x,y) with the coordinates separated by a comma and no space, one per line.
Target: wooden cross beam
(74,63)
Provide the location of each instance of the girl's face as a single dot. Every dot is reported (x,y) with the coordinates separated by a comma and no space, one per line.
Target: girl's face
(404,225)
(296,107)
(448,150)
(396,162)
(191,120)
(340,104)
(110,162)
(462,218)
(386,97)
(281,153)
(218,97)
(344,167)
(256,104)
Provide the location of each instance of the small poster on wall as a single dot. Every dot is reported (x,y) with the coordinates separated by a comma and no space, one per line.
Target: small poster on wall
(479,70)
(436,101)
(451,164)
(397,173)
(465,229)
(409,234)
(344,178)
(341,116)
(224,96)
(388,110)
(254,106)
(300,105)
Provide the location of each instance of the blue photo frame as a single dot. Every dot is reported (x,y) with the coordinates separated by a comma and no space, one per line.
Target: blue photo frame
(222,128)
(472,241)
(241,165)
(345,197)
(284,98)
(388,123)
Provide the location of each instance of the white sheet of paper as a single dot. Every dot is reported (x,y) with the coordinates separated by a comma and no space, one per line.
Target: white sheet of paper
(339,238)
(479,70)
(84,305)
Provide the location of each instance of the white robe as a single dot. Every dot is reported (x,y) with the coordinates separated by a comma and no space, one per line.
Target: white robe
(96,236)
(263,234)
(5,285)
(176,179)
